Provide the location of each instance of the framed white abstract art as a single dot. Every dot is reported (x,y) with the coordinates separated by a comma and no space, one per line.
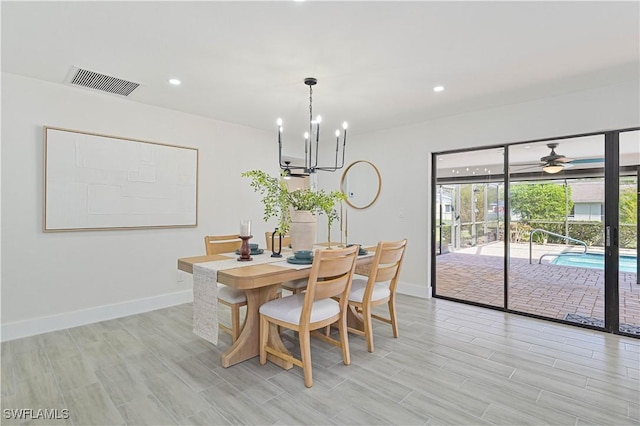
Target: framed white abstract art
(101,182)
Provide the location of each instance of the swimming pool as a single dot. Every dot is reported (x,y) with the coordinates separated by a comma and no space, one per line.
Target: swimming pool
(595,261)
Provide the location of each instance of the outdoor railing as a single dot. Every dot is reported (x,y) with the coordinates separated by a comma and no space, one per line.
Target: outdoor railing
(544,231)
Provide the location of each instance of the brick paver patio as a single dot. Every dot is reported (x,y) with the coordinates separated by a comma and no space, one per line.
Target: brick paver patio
(542,289)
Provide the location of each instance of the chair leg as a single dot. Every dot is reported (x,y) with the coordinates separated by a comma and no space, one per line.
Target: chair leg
(368,326)
(344,340)
(235,322)
(392,315)
(264,338)
(305,352)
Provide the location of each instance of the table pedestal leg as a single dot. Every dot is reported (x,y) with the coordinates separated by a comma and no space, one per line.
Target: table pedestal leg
(354,319)
(248,344)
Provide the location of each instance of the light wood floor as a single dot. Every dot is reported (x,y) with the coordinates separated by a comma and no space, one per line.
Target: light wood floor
(453,364)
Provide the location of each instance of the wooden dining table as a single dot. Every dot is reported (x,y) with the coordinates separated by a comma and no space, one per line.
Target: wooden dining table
(260,283)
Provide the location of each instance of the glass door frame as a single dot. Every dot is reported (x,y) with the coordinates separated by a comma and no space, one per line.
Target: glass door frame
(611,226)
(611,223)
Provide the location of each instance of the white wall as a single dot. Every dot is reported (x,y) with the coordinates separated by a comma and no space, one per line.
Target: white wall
(57,280)
(403,157)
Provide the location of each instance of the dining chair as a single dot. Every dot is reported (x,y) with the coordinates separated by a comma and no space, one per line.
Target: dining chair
(294,286)
(231,297)
(379,288)
(331,275)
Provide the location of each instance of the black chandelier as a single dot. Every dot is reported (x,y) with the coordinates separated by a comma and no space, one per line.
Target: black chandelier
(310,154)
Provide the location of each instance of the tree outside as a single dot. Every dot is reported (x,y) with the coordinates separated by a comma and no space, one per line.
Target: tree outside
(629,206)
(629,217)
(540,201)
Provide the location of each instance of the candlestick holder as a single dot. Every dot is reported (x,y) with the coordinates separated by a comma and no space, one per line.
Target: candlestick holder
(340,221)
(275,253)
(346,233)
(244,249)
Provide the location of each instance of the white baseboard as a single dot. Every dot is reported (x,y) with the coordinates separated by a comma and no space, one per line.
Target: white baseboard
(409,289)
(414,290)
(31,327)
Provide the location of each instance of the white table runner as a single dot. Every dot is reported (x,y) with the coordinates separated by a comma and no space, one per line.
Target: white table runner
(205,303)
(205,292)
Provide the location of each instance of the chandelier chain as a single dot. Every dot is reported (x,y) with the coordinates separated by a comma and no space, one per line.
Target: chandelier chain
(310,106)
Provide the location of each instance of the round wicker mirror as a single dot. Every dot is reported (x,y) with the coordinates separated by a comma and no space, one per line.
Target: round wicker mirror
(361,183)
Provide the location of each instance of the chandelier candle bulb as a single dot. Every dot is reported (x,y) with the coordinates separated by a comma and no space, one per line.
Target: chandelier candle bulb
(318,120)
(310,165)
(344,140)
(279,122)
(307,147)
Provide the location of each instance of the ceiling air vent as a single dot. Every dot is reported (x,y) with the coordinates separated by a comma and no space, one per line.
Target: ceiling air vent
(105,83)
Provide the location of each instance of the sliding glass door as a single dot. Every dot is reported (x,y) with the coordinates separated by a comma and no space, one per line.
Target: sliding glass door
(469,233)
(544,228)
(556,256)
(628,282)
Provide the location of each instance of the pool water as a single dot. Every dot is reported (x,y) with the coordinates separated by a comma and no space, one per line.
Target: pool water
(595,261)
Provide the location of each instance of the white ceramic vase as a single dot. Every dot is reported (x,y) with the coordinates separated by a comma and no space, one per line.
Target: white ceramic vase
(302,230)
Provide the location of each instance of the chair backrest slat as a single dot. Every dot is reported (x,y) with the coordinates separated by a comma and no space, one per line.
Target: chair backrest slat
(331,275)
(386,273)
(216,244)
(386,264)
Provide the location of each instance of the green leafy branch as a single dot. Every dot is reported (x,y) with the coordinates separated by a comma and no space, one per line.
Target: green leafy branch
(278,201)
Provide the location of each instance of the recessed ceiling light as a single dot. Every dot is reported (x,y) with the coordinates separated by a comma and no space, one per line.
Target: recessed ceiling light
(175,81)
(438,88)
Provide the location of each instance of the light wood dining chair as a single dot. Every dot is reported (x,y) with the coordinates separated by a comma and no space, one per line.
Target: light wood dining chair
(294,286)
(231,297)
(379,288)
(331,276)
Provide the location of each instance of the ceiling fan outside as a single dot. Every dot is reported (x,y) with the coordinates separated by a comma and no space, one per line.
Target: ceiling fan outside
(555,163)
(553,157)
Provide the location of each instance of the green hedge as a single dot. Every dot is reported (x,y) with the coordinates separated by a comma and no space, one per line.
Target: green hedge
(629,236)
(592,233)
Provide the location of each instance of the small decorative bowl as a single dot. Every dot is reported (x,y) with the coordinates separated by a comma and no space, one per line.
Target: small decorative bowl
(303,254)
(254,246)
